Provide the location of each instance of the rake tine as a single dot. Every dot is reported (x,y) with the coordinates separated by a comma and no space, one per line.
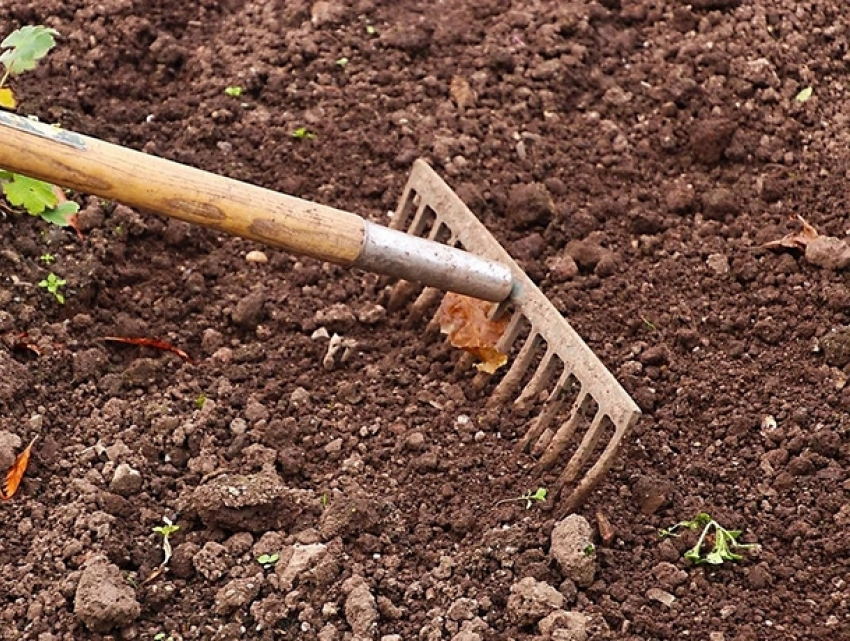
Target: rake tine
(539,380)
(544,419)
(504,345)
(583,452)
(514,375)
(563,435)
(594,474)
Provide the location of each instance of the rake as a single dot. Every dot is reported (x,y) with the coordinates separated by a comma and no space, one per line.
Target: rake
(434,243)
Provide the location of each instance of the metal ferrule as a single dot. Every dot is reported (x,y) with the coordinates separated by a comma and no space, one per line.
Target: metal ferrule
(394,253)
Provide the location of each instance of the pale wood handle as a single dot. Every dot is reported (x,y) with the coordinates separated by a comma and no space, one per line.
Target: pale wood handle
(139,180)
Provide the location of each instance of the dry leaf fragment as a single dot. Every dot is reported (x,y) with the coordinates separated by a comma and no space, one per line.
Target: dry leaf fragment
(795,240)
(150,342)
(467,323)
(16,473)
(462,93)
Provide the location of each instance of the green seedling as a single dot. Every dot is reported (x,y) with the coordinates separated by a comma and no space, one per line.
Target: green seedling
(325,500)
(200,401)
(234,92)
(529,497)
(47,258)
(268,560)
(162,636)
(724,541)
(22,49)
(804,95)
(371,30)
(166,531)
(52,284)
(589,549)
(648,324)
(342,62)
(302,133)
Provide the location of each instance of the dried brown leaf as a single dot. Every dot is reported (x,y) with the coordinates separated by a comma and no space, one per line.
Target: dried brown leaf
(150,342)
(466,322)
(16,473)
(462,93)
(797,240)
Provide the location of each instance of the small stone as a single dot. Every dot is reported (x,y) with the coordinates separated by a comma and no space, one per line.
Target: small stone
(562,268)
(103,599)
(256,257)
(324,14)
(337,318)
(531,600)
(828,252)
(299,396)
(651,493)
(719,203)
(125,480)
(463,609)
(668,575)
(585,253)
(656,594)
(710,138)
(371,314)
(212,561)
(570,542)
(718,263)
(250,311)
(836,347)
(361,611)
(567,626)
(237,594)
(528,205)
(680,198)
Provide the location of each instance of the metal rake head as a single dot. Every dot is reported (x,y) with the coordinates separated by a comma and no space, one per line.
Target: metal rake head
(584,409)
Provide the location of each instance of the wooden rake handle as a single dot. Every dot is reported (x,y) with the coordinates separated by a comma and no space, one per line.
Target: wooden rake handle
(139,180)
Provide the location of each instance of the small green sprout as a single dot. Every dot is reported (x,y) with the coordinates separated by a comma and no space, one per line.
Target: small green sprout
(268,560)
(371,30)
(166,531)
(529,497)
(724,541)
(804,95)
(47,258)
(302,133)
(589,549)
(162,636)
(200,401)
(342,62)
(648,324)
(234,92)
(52,284)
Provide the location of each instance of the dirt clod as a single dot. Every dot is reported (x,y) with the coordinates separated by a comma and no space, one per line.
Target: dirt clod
(104,600)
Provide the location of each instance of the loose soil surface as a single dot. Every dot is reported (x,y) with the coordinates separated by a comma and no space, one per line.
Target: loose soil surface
(671,142)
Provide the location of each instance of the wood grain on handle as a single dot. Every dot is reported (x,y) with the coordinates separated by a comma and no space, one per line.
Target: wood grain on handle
(139,180)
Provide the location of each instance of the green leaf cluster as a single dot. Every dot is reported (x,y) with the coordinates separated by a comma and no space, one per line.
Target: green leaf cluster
(725,541)
(37,197)
(53,284)
(24,47)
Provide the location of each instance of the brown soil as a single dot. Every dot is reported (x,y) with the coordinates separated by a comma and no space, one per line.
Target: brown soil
(667,134)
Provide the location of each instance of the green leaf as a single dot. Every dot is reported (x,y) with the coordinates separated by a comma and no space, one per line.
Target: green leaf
(25,47)
(62,214)
(33,195)
(804,95)
(233,92)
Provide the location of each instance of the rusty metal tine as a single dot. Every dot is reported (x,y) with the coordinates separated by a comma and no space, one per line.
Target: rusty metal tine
(503,345)
(541,377)
(550,408)
(514,375)
(583,452)
(563,435)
